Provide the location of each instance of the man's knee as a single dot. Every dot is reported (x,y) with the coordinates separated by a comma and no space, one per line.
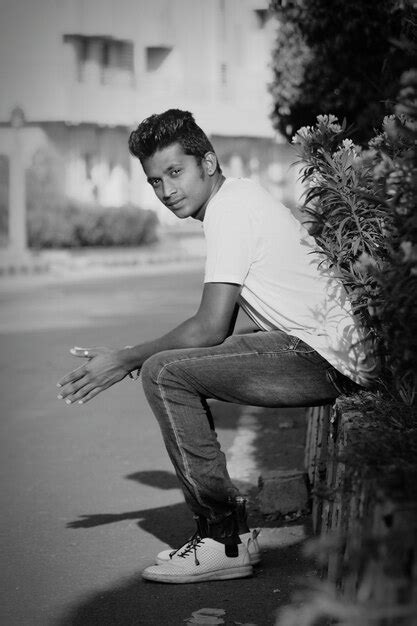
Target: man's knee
(156,366)
(152,368)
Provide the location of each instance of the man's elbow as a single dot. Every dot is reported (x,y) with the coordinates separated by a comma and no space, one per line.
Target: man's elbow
(215,338)
(207,335)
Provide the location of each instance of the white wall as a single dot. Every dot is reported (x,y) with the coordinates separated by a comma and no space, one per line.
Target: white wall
(38,70)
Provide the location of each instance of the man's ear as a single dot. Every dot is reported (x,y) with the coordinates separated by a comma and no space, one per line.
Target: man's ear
(210,163)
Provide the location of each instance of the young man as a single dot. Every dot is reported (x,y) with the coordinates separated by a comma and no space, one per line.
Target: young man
(308,348)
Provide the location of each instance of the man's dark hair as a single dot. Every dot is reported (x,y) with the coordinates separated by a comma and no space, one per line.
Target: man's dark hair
(162,130)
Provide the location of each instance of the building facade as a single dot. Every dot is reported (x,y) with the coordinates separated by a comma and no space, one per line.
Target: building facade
(83,73)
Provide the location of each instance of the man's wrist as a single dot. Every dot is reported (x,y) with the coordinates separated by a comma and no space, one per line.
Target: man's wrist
(126,359)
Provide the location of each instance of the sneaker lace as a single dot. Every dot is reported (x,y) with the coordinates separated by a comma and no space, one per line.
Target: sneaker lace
(191,546)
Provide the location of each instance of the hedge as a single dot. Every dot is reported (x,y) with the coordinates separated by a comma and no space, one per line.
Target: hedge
(75,227)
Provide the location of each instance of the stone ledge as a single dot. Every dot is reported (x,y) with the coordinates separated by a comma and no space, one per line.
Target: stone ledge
(282,492)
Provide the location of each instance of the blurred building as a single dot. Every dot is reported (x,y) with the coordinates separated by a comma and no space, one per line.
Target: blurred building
(80,74)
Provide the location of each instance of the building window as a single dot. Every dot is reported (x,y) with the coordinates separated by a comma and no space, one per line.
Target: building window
(102,60)
(261,17)
(156,57)
(117,62)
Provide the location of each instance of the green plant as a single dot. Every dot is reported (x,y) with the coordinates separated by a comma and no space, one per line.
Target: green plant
(362,211)
(394,154)
(341,57)
(347,226)
(74,227)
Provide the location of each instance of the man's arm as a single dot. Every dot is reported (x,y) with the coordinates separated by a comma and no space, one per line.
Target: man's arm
(210,326)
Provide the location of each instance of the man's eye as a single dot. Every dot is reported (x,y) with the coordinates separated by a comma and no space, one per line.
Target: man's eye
(175,172)
(154,182)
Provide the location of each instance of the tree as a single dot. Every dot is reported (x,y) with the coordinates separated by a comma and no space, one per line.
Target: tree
(341,58)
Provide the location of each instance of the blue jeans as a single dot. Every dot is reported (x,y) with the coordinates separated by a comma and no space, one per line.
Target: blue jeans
(268,369)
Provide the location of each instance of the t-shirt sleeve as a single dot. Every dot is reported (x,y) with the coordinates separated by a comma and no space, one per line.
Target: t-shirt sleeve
(229,243)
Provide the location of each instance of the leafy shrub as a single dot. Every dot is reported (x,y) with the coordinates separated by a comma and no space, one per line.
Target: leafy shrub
(394,155)
(345,218)
(73,227)
(362,208)
(340,57)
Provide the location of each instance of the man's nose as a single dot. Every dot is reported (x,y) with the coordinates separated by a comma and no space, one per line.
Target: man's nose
(168,190)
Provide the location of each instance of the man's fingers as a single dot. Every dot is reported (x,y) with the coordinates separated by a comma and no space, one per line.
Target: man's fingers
(70,390)
(72,377)
(92,394)
(80,393)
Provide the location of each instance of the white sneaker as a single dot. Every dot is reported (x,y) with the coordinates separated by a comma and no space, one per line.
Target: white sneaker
(249,542)
(199,561)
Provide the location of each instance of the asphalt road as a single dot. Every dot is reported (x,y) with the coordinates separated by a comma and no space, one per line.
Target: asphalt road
(88,493)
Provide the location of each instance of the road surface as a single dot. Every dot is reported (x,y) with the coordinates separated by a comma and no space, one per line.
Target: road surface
(89,496)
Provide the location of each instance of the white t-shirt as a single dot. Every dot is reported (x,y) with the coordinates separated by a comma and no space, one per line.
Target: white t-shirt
(254,241)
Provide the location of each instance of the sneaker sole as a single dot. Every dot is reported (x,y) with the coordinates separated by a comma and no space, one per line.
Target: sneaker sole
(224,574)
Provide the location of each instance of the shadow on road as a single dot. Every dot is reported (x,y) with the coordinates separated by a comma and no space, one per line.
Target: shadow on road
(161,479)
(171,524)
(254,600)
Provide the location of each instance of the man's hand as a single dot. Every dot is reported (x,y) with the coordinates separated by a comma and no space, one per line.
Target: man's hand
(103,369)
(210,326)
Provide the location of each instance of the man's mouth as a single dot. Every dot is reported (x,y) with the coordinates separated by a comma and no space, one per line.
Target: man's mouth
(175,204)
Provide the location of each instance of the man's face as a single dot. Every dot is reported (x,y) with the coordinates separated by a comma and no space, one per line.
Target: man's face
(179,181)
